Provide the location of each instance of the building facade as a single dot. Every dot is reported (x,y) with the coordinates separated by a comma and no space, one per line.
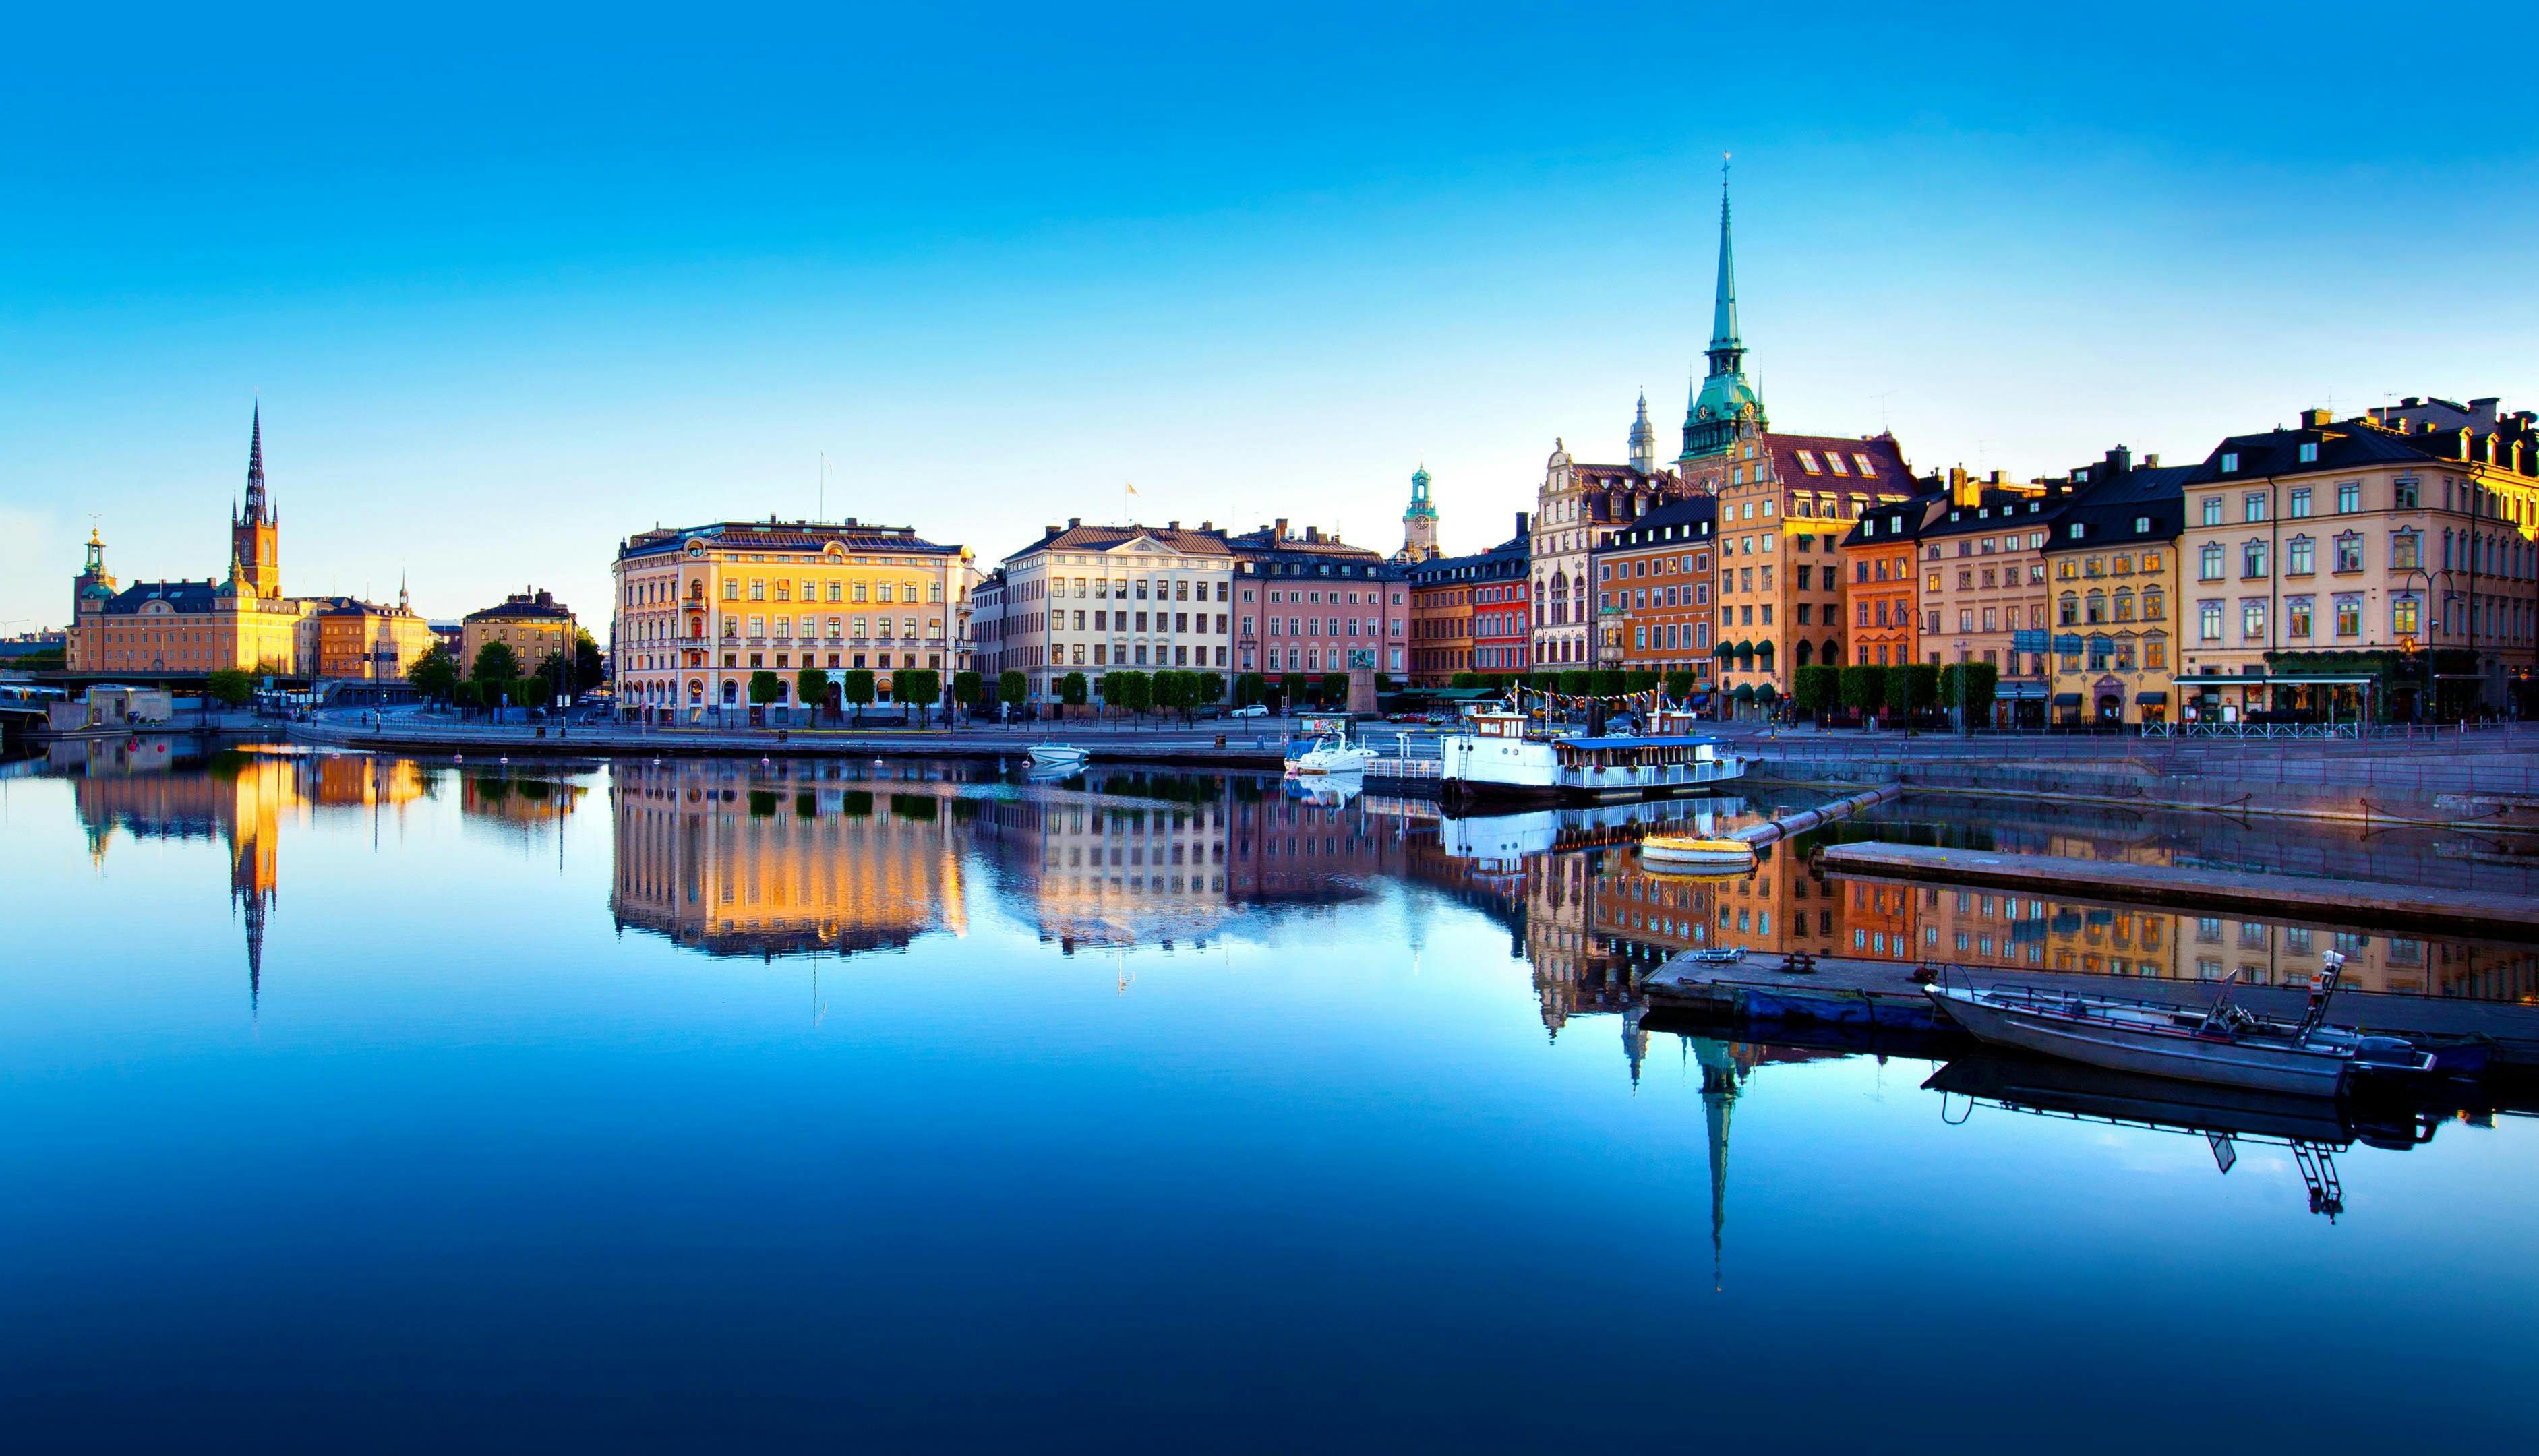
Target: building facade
(2351,565)
(1455,599)
(697,609)
(1323,606)
(365,642)
(1578,511)
(1983,581)
(1882,571)
(1097,598)
(2111,557)
(531,622)
(1653,591)
(1419,524)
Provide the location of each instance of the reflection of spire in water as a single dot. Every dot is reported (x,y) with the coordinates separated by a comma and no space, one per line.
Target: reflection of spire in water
(254,916)
(1636,1042)
(1719,1074)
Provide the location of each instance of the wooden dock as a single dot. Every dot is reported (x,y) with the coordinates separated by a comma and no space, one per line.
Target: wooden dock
(1858,993)
(2361,904)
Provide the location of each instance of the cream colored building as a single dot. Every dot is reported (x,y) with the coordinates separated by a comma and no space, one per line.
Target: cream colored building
(1096,598)
(362,641)
(2338,565)
(699,609)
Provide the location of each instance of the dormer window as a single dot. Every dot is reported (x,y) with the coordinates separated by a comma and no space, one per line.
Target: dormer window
(2077,529)
(1862,461)
(1835,462)
(1807,462)
(2308,453)
(2229,461)
(2142,526)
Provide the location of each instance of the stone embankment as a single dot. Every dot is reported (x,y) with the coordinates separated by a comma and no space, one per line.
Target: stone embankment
(588,740)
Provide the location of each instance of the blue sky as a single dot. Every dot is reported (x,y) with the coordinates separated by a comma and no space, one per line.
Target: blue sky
(509,285)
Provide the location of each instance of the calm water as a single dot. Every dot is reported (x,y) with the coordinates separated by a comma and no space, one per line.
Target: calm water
(363,1101)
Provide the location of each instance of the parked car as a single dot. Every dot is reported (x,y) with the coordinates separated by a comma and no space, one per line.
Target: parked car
(1255,710)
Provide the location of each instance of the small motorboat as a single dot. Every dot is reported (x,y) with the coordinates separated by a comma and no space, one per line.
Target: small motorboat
(1698,853)
(1329,754)
(2226,1045)
(1057,755)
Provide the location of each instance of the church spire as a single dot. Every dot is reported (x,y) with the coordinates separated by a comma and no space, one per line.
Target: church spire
(1644,440)
(1725,409)
(255,508)
(1727,351)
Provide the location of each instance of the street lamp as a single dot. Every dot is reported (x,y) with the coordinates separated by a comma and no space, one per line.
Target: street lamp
(2407,641)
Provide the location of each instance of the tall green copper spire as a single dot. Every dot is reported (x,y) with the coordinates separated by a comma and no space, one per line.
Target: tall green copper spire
(1725,407)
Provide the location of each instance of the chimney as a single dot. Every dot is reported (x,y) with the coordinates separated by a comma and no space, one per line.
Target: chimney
(1172,525)
(1313,536)
(2151,462)
(1278,529)
(1204,526)
(1524,525)
(2317,419)
(1074,522)
(1048,530)
(2120,460)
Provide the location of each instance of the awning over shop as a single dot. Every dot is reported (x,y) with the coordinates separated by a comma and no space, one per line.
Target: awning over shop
(2067,700)
(1744,692)
(2150,700)
(2019,692)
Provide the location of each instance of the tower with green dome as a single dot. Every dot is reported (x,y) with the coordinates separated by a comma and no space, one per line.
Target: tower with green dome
(1725,409)
(1418,523)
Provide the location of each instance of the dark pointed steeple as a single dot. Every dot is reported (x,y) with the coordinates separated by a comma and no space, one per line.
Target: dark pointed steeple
(255,513)
(1725,407)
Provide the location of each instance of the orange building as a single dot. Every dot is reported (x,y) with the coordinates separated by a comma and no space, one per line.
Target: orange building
(1878,567)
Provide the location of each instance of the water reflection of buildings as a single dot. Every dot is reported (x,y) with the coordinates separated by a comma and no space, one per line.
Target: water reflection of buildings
(1113,861)
(149,791)
(784,859)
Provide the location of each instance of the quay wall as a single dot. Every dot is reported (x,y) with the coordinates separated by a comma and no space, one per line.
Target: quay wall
(596,740)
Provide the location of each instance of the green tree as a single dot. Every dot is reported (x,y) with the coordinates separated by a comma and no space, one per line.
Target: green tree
(811,689)
(1817,689)
(1333,689)
(765,688)
(1251,688)
(1464,679)
(1073,691)
(1678,685)
(1134,691)
(231,687)
(968,688)
(1011,688)
(922,686)
(1606,682)
(435,674)
(857,688)
(590,664)
(1912,687)
(1295,690)
(552,670)
(1971,685)
(1863,686)
(1212,688)
(496,663)
(532,691)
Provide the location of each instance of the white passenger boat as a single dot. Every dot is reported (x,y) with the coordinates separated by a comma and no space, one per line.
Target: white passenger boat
(1057,755)
(1501,755)
(1698,854)
(1329,754)
(2225,1045)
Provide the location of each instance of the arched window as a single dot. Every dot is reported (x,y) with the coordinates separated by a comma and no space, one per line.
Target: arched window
(1805,653)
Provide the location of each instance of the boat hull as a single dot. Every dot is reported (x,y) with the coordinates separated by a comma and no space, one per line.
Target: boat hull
(2117,1048)
(1052,757)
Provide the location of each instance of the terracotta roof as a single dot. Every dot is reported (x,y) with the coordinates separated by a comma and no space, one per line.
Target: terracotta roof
(1890,473)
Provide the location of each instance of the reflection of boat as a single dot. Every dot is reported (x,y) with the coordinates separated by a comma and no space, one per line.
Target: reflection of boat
(2312,1128)
(1329,754)
(1329,791)
(1696,853)
(1057,755)
(2226,1045)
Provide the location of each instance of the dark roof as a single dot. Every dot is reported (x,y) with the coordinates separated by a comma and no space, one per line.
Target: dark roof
(1315,556)
(2343,447)
(787,535)
(1903,520)
(2144,504)
(1508,557)
(180,597)
(1076,537)
(1700,515)
(1997,508)
(518,606)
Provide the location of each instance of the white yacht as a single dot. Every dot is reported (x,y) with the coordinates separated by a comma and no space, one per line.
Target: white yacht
(1501,755)
(1057,755)
(1329,754)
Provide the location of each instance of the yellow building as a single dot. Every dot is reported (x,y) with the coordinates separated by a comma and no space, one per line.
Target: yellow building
(700,609)
(366,642)
(531,623)
(2113,558)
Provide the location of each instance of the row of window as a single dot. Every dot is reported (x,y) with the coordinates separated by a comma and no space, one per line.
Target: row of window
(837,627)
